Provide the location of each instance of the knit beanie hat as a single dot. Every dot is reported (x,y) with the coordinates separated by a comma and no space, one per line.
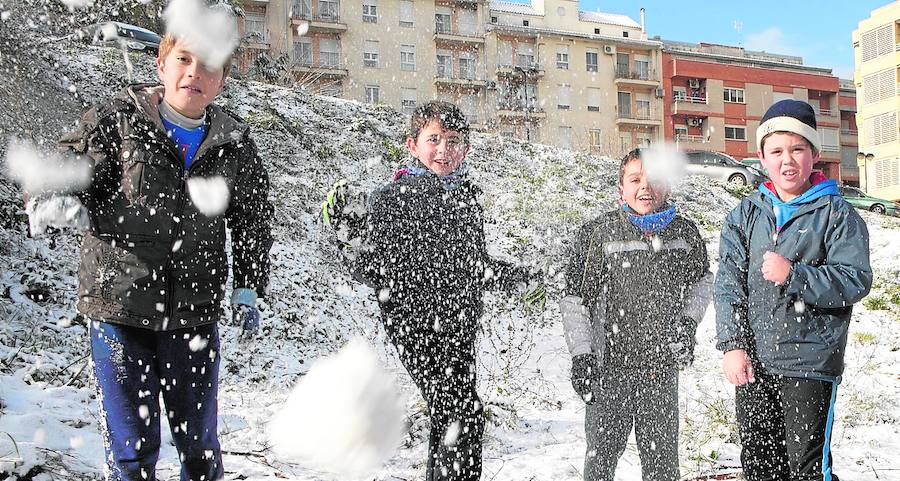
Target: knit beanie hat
(793,116)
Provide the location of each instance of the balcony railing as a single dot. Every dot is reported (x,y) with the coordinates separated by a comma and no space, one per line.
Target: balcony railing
(442,28)
(623,72)
(519,105)
(526,66)
(690,138)
(849,132)
(831,148)
(327,17)
(697,99)
(322,64)
(637,115)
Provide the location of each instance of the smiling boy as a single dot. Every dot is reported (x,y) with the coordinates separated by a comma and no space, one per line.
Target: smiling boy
(154,268)
(637,284)
(793,259)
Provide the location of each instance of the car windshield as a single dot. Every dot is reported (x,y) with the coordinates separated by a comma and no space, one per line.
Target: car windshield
(142,35)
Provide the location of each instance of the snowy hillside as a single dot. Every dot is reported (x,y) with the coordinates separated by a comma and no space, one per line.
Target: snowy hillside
(535,198)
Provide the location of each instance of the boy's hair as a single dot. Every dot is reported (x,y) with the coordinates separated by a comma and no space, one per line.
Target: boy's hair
(633,155)
(168,43)
(447,114)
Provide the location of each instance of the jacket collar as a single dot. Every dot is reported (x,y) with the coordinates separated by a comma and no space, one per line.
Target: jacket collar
(223,128)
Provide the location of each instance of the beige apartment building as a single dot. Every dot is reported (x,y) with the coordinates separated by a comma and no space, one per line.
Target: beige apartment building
(544,71)
(876,46)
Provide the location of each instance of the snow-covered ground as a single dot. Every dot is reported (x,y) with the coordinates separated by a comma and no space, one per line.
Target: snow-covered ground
(535,198)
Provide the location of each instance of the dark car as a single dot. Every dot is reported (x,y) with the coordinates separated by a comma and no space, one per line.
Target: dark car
(116,34)
(723,167)
(861,200)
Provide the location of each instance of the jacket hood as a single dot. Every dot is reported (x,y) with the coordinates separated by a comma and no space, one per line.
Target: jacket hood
(223,128)
(821,187)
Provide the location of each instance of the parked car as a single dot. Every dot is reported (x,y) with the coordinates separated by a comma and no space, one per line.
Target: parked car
(756,164)
(110,34)
(723,167)
(861,200)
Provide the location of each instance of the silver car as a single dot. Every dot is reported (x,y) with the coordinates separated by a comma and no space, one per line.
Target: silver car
(117,34)
(723,167)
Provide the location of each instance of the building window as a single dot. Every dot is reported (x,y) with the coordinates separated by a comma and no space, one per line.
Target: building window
(330,90)
(467,22)
(467,65)
(593,99)
(330,52)
(255,28)
(302,9)
(591,62)
(642,69)
(525,56)
(562,57)
(444,65)
(370,11)
(625,34)
(679,93)
(565,91)
(370,54)
(596,31)
(493,19)
(329,10)
(408,58)
(830,139)
(442,20)
(624,104)
(735,96)
(524,23)
(735,133)
(565,137)
(642,108)
(407,13)
(877,42)
(880,129)
(303,51)
(408,99)
(596,139)
(373,94)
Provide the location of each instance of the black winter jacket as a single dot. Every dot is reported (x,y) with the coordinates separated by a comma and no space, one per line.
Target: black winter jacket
(636,288)
(800,328)
(425,254)
(151,259)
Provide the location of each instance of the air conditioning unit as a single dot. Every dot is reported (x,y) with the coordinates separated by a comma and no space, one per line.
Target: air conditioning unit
(660,93)
(609,49)
(694,122)
(694,83)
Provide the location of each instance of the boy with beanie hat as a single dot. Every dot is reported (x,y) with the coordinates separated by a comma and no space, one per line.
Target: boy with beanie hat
(794,258)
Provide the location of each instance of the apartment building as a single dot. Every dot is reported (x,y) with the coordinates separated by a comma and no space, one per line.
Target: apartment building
(715,96)
(849,133)
(876,47)
(543,71)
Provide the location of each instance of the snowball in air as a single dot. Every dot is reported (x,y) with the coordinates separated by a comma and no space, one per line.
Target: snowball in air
(38,172)
(209,194)
(348,411)
(209,33)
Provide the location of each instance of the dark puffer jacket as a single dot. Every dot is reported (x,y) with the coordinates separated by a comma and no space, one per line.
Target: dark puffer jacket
(425,253)
(800,328)
(151,258)
(637,290)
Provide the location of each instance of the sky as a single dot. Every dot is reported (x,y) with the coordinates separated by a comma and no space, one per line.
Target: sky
(818,31)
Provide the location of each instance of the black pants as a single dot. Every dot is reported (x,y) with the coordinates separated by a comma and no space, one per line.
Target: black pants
(442,364)
(646,400)
(785,428)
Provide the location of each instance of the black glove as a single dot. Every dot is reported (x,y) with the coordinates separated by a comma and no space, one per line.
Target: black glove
(584,373)
(682,342)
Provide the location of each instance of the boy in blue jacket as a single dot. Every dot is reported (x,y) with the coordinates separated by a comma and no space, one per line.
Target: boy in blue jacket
(793,259)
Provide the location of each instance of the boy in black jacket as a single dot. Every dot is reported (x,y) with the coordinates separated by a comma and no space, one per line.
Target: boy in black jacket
(422,248)
(637,284)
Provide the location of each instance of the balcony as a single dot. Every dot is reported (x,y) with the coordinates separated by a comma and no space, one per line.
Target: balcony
(626,76)
(468,35)
(691,105)
(692,142)
(444,77)
(324,67)
(529,70)
(637,117)
(321,22)
(519,110)
(256,41)
(825,112)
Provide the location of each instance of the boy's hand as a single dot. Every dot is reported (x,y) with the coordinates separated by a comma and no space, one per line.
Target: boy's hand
(775,268)
(737,367)
(584,371)
(244,312)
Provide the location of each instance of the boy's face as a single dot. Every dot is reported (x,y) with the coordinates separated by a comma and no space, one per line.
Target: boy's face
(442,151)
(637,191)
(190,85)
(789,159)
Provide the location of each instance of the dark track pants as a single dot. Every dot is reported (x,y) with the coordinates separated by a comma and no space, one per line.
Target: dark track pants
(785,427)
(442,364)
(645,400)
(133,366)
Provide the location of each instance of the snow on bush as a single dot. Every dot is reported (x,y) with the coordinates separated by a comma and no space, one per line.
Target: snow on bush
(209,194)
(345,416)
(38,172)
(210,33)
